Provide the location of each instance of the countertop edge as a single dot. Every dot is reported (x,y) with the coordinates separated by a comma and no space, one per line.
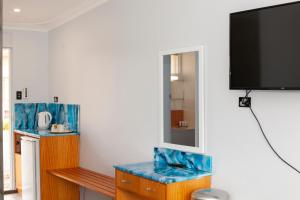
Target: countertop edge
(38,136)
(199,176)
(27,133)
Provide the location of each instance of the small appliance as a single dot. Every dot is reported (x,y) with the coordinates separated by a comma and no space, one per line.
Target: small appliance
(44,120)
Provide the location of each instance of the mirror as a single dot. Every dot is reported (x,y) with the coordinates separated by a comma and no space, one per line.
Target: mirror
(182,99)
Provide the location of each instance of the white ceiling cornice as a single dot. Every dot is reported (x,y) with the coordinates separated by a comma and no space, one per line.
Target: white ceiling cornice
(57,21)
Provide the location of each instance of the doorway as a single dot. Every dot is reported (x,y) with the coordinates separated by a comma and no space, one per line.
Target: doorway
(8,157)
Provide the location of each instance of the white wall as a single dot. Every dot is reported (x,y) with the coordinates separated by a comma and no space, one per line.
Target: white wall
(29,63)
(107,61)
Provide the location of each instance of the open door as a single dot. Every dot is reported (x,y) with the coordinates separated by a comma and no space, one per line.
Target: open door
(8,155)
(1,136)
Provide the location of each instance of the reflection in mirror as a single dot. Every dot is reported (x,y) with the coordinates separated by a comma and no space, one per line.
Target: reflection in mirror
(180,90)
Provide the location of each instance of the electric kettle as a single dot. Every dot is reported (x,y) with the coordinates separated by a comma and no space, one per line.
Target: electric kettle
(44,120)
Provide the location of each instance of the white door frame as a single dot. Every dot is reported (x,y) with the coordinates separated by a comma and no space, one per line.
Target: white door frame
(11,107)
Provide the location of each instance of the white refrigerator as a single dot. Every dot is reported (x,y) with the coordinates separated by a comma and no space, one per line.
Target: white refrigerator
(30,168)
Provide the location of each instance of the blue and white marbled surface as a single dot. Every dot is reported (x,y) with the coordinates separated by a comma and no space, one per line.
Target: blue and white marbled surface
(26,115)
(161,172)
(195,161)
(171,166)
(42,133)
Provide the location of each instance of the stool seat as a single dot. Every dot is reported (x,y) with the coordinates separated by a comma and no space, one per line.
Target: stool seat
(210,194)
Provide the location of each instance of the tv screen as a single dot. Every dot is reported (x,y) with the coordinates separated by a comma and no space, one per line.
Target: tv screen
(265,48)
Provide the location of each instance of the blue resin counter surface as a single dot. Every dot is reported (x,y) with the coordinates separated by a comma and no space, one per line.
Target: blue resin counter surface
(171,166)
(162,173)
(41,133)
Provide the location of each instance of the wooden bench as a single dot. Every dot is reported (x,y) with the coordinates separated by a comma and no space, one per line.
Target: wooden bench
(88,179)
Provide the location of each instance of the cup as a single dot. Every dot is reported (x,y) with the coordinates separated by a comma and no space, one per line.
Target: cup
(60,128)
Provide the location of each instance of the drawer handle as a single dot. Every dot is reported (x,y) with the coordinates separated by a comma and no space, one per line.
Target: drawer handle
(125,181)
(149,189)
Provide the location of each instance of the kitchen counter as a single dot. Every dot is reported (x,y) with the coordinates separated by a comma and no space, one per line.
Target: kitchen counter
(161,172)
(171,166)
(41,133)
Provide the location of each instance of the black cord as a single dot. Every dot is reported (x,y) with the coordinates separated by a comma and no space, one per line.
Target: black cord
(247,93)
(267,140)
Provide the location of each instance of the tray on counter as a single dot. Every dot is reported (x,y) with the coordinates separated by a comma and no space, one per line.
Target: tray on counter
(61,132)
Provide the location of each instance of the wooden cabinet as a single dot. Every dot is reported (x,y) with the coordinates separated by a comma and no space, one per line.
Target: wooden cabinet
(18,172)
(131,187)
(56,152)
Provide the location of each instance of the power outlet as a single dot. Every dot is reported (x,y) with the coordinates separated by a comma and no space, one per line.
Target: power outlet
(19,95)
(55,99)
(245,102)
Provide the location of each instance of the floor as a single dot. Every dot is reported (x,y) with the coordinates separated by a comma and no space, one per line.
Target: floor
(12,197)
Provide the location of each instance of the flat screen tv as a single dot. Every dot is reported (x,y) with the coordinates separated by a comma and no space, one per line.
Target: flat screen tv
(265,48)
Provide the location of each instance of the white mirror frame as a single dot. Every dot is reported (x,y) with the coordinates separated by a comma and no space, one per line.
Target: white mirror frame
(201,103)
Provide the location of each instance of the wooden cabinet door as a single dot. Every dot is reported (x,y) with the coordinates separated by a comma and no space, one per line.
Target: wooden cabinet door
(18,172)
(125,195)
(152,190)
(127,181)
(183,190)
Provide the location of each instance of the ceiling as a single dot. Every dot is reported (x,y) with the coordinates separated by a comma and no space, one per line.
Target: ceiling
(44,15)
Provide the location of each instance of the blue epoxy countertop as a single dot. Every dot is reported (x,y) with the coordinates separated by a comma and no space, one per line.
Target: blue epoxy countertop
(163,173)
(42,133)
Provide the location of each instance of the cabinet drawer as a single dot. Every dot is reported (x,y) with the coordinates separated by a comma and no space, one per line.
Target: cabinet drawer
(152,190)
(127,181)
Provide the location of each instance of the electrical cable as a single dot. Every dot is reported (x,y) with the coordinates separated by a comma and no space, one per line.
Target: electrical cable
(267,140)
(248,92)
